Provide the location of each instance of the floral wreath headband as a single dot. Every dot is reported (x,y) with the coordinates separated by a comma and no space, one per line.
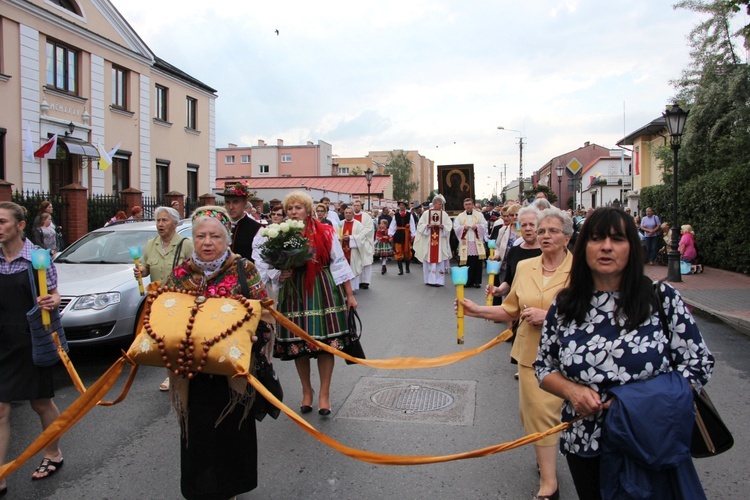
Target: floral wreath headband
(215,214)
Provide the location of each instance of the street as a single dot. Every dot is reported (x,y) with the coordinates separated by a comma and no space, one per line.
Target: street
(132,450)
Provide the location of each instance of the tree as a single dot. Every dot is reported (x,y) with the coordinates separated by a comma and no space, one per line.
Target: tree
(551,196)
(357,171)
(399,166)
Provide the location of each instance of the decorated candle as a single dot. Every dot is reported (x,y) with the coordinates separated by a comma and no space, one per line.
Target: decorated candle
(493,269)
(460,276)
(135,254)
(40,260)
(491,246)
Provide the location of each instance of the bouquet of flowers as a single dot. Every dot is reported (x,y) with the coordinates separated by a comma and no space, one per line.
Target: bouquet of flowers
(286,246)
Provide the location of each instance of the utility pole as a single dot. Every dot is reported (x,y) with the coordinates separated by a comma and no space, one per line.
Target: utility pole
(520,169)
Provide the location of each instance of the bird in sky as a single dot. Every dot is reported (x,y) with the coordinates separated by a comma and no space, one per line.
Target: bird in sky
(277,32)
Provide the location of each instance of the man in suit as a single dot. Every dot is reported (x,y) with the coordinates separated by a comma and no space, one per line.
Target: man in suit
(244,227)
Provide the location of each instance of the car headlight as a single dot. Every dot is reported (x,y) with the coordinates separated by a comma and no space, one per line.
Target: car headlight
(97,301)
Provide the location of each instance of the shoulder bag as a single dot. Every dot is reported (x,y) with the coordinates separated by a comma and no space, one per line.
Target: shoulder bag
(710,434)
(353,347)
(264,371)
(43,348)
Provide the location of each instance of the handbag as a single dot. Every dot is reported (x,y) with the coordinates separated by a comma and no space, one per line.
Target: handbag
(354,347)
(685,267)
(710,434)
(43,347)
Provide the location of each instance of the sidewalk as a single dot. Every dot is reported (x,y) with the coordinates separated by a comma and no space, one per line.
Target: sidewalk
(720,293)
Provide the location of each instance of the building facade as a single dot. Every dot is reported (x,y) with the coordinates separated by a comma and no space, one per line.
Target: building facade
(76,69)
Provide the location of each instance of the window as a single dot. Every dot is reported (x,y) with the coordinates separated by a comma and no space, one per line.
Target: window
(286,158)
(192,181)
(62,67)
(67,5)
(162,177)
(229,159)
(192,104)
(343,170)
(120,87)
(263,169)
(245,159)
(120,174)
(161,103)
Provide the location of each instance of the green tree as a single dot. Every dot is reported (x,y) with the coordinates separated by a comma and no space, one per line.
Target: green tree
(551,196)
(357,171)
(399,166)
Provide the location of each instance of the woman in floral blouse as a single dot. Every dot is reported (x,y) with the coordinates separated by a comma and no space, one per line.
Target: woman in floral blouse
(221,460)
(604,331)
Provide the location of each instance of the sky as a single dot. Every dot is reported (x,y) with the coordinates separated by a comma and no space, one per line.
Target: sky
(436,76)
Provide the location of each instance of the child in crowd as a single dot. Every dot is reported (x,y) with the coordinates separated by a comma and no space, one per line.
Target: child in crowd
(383,247)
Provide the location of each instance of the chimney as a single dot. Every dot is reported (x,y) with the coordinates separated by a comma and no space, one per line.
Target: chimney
(261,142)
(309,143)
(279,142)
(586,144)
(232,145)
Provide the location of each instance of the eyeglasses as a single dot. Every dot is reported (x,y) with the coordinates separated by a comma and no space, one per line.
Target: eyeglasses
(553,231)
(278,214)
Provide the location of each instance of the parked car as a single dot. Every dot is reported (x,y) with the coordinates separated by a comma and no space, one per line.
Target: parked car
(100,297)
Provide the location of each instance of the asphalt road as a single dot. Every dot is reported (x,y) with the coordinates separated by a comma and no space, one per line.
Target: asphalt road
(132,450)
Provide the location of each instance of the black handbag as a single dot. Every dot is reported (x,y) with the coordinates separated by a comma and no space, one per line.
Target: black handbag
(710,434)
(353,346)
(43,348)
(264,371)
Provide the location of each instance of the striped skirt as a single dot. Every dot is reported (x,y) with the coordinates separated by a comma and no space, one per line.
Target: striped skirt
(322,314)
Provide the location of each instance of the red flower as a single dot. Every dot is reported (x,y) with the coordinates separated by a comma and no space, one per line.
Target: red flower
(180,272)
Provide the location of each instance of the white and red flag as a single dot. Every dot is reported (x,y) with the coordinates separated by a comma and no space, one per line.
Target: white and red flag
(48,151)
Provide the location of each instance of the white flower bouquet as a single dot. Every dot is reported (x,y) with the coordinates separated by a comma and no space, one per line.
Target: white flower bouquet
(286,246)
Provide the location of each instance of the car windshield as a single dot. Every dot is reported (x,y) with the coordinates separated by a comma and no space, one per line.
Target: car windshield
(105,247)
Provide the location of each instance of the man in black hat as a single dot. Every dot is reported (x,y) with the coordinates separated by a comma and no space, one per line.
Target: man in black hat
(400,233)
(244,227)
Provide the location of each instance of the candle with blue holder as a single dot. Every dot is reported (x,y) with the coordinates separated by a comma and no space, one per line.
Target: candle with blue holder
(493,269)
(460,276)
(40,261)
(135,254)
(491,246)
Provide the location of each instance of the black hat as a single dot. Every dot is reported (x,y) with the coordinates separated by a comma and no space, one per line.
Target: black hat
(426,204)
(402,202)
(416,204)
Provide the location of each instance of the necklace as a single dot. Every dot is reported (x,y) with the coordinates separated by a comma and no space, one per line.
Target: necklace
(550,270)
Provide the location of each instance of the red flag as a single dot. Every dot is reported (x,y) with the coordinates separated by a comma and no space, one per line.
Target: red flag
(637,163)
(48,151)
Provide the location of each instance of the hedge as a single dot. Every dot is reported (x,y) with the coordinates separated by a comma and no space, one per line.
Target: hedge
(717,205)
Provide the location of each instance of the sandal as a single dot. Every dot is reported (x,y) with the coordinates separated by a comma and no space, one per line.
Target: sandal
(48,467)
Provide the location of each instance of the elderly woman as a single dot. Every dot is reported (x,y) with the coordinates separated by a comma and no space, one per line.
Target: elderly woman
(603,333)
(317,302)
(536,283)
(504,241)
(163,252)
(20,378)
(688,253)
(218,455)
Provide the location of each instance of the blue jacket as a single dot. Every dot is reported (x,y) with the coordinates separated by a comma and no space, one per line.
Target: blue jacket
(646,441)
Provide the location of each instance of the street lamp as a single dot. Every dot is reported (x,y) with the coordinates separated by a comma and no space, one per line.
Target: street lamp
(520,161)
(675,118)
(559,170)
(368,176)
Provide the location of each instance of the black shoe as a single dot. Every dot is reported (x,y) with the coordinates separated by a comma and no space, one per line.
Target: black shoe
(364,286)
(305,409)
(324,411)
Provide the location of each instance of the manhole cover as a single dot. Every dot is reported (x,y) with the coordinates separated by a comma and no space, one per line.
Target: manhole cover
(412,399)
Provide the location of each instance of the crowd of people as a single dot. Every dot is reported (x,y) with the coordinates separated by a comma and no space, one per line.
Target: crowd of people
(571,286)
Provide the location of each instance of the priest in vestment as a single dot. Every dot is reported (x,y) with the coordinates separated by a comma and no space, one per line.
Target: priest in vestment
(353,238)
(470,228)
(367,248)
(432,242)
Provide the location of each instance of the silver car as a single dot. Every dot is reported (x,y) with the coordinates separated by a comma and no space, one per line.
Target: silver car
(100,297)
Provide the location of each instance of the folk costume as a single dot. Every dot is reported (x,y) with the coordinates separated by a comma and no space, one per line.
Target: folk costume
(218,452)
(354,237)
(314,299)
(432,246)
(470,229)
(400,232)
(383,248)
(366,248)
(244,232)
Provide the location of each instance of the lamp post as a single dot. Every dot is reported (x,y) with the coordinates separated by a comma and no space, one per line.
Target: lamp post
(675,117)
(368,176)
(559,170)
(520,161)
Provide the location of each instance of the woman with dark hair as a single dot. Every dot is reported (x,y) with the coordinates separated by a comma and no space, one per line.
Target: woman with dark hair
(603,338)
(321,213)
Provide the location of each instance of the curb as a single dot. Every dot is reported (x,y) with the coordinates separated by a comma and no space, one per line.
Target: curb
(742,325)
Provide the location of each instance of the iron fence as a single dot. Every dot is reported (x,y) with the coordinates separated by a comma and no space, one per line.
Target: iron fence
(149,204)
(31,200)
(102,208)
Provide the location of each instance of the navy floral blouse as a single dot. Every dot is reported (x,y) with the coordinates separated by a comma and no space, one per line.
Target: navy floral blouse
(601,353)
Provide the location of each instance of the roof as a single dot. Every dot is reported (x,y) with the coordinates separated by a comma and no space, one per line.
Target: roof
(654,128)
(355,184)
(597,160)
(175,71)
